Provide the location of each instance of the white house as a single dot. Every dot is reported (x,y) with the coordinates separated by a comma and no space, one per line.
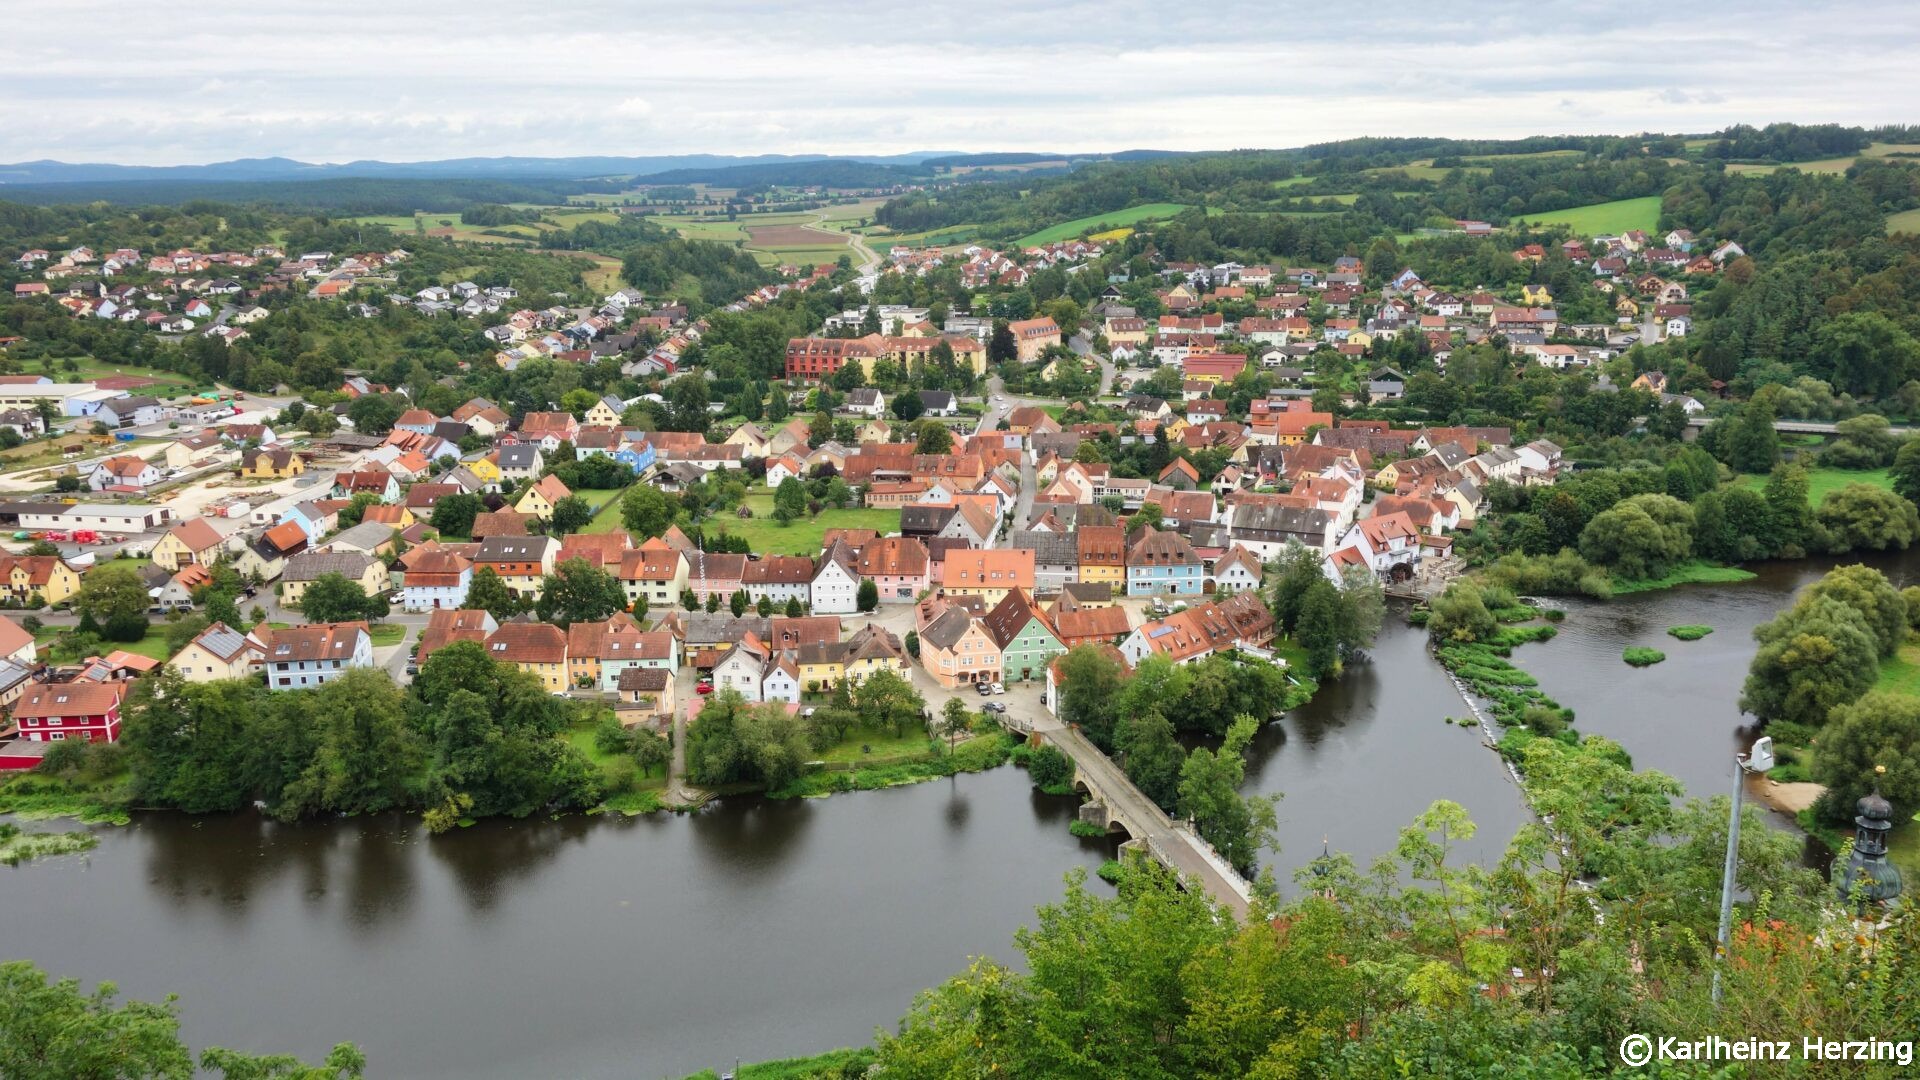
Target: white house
(1238,569)
(316,654)
(867,402)
(780,680)
(743,669)
(1386,543)
(782,467)
(435,580)
(835,588)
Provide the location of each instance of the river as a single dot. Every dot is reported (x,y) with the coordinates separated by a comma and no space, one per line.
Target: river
(1371,751)
(612,947)
(577,947)
(1681,717)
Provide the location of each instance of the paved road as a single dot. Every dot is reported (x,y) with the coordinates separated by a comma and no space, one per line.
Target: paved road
(1148,822)
(679,792)
(1799,427)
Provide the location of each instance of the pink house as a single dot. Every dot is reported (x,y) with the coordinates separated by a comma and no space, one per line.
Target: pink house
(897,566)
(709,574)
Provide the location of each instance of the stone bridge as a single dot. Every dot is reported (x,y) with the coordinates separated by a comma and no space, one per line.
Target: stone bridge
(1116,805)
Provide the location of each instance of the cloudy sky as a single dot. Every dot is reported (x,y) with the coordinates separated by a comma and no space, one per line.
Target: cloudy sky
(157,83)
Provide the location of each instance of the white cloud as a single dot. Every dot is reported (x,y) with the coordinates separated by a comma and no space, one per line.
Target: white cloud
(137,83)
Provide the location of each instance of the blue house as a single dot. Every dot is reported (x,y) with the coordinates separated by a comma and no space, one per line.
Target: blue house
(311,520)
(1163,563)
(638,456)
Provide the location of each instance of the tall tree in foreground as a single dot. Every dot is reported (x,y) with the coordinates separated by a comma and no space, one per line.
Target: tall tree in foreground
(53,1031)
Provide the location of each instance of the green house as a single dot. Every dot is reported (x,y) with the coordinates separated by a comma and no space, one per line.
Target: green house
(1027,642)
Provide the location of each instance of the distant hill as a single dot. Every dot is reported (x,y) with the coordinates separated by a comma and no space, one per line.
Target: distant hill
(256,170)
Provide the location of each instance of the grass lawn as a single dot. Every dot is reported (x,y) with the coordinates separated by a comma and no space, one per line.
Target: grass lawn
(1691,572)
(1618,216)
(86,368)
(1132,215)
(1900,673)
(1906,221)
(1820,481)
(802,537)
(607,517)
(879,745)
(152,646)
(388,634)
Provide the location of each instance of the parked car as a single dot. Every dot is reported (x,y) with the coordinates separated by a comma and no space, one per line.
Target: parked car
(983,688)
(995,707)
(705,687)
(999,688)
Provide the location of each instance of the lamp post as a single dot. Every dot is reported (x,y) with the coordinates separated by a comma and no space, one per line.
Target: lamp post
(1759,760)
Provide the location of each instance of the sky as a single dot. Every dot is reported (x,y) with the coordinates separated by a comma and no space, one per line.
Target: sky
(162,84)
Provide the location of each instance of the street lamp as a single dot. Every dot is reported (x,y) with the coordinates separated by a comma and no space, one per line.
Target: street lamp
(1758,761)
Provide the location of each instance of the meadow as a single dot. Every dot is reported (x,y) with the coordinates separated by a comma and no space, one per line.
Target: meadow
(1132,215)
(1618,216)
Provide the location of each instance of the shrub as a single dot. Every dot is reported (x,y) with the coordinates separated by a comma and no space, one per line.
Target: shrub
(1051,770)
(1641,656)
(1086,830)
(1690,632)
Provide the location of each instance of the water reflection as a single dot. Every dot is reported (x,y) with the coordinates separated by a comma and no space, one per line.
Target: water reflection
(1371,751)
(1683,716)
(591,947)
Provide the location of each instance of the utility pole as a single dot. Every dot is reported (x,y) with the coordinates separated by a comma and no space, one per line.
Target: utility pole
(1759,761)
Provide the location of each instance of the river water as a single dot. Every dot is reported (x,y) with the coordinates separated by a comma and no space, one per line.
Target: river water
(577,947)
(611,947)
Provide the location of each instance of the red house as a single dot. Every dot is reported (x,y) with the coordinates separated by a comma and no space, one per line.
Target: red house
(53,712)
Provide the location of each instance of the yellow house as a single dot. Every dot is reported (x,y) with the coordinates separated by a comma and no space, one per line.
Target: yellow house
(1360,338)
(309,566)
(1535,295)
(1626,307)
(1388,475)
(1468,511)
(272,464)
(541,498)
(1175,426)
(487,469)
(603,414)
(187,543)
(220,652)
(47,576)
(539,649)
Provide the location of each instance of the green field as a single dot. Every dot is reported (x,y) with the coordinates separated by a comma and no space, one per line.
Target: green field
(1831,165)
(607,517)
(1608,217)
(1426,170)
(1132,215)
(1906,221)
(1822,481)
(1495,159)
(1900,673)
(403,224)
(802,537)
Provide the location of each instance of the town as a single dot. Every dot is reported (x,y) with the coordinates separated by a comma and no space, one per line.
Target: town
(1169,486)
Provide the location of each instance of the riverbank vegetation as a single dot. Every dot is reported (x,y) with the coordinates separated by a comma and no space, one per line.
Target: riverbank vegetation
(1641,656)
(470,738)
(1419,965)
(832,1065)
(1139,716)
(55,1031)
(1689,632)
(738,745)
(1818,684)
(17,845)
